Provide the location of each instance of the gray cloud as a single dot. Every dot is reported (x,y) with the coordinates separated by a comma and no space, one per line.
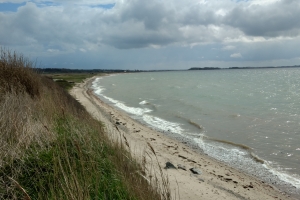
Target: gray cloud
(186,28)
(199,15)
(153,14)
(154,22)
(272,20)
(138,41)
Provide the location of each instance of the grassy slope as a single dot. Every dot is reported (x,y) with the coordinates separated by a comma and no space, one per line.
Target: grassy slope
(51,148)
(68,80)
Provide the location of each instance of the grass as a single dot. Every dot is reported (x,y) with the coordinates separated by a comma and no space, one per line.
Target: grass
(51,148)
(73,77)
(68,80)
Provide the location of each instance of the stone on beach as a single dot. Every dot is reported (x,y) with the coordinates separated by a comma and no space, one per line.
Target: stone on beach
(169,166)
(196,171)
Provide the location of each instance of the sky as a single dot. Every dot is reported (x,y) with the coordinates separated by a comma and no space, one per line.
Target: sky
(155,34)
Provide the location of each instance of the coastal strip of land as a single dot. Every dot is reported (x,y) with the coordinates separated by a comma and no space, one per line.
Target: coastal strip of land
(191,175)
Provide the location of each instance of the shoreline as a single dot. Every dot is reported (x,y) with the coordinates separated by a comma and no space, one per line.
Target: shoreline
(215,181)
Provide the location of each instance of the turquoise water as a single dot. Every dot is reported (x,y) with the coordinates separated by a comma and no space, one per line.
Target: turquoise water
(247,118)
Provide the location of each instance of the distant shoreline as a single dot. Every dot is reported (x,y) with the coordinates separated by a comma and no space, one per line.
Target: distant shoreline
(95,71)
(267,67)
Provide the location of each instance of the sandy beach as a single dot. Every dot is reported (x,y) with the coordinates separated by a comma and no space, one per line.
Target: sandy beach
(209,178)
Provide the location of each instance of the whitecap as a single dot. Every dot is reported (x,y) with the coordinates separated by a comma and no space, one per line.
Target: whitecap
(294,180)
(144,102)
(163,124)
(131,110)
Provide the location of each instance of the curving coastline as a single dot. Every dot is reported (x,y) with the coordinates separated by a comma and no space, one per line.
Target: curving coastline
(216,181)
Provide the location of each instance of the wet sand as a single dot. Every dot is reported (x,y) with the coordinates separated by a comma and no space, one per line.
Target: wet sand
(214,180)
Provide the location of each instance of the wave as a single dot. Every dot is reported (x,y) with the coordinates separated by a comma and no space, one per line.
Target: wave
(132,110)
(146,103)
(242,157)
(285,177)
(191,122)
(155,122)
(242,146)
(195,124)
(256,158)
(96,82)
(163,124)
(218,151)
(95,86)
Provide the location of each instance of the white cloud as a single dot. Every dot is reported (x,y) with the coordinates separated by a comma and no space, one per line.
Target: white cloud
(229,47)
(53,50)
(236,55)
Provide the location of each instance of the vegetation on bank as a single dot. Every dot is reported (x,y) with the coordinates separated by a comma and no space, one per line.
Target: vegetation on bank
(51,148)
(68,80)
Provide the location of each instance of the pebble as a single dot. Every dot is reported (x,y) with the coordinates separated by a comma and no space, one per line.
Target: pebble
(196,171)
(169,166)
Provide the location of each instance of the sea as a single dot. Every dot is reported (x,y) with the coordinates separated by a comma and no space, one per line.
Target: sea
(247,118)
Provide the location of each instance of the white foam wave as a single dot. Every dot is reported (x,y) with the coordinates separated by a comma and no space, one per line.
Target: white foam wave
(96,81)
(151,120)
(99,90)
(285,177)
(241,160)
(144,102)
(140,112)
(163,124)
(131,110)
(96,86)
(219,152)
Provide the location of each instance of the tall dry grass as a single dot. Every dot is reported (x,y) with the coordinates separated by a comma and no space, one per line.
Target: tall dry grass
(51,148)
(16,74)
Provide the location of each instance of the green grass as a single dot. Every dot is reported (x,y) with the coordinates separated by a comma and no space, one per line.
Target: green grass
(73,77)
(51,148)
(65,84)
(68,80)
(70,162)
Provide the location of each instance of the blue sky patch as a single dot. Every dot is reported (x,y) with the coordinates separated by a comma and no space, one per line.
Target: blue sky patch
(105,6)
(10,7)
(46,3)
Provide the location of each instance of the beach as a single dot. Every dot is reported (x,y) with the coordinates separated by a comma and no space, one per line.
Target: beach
(209,179)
